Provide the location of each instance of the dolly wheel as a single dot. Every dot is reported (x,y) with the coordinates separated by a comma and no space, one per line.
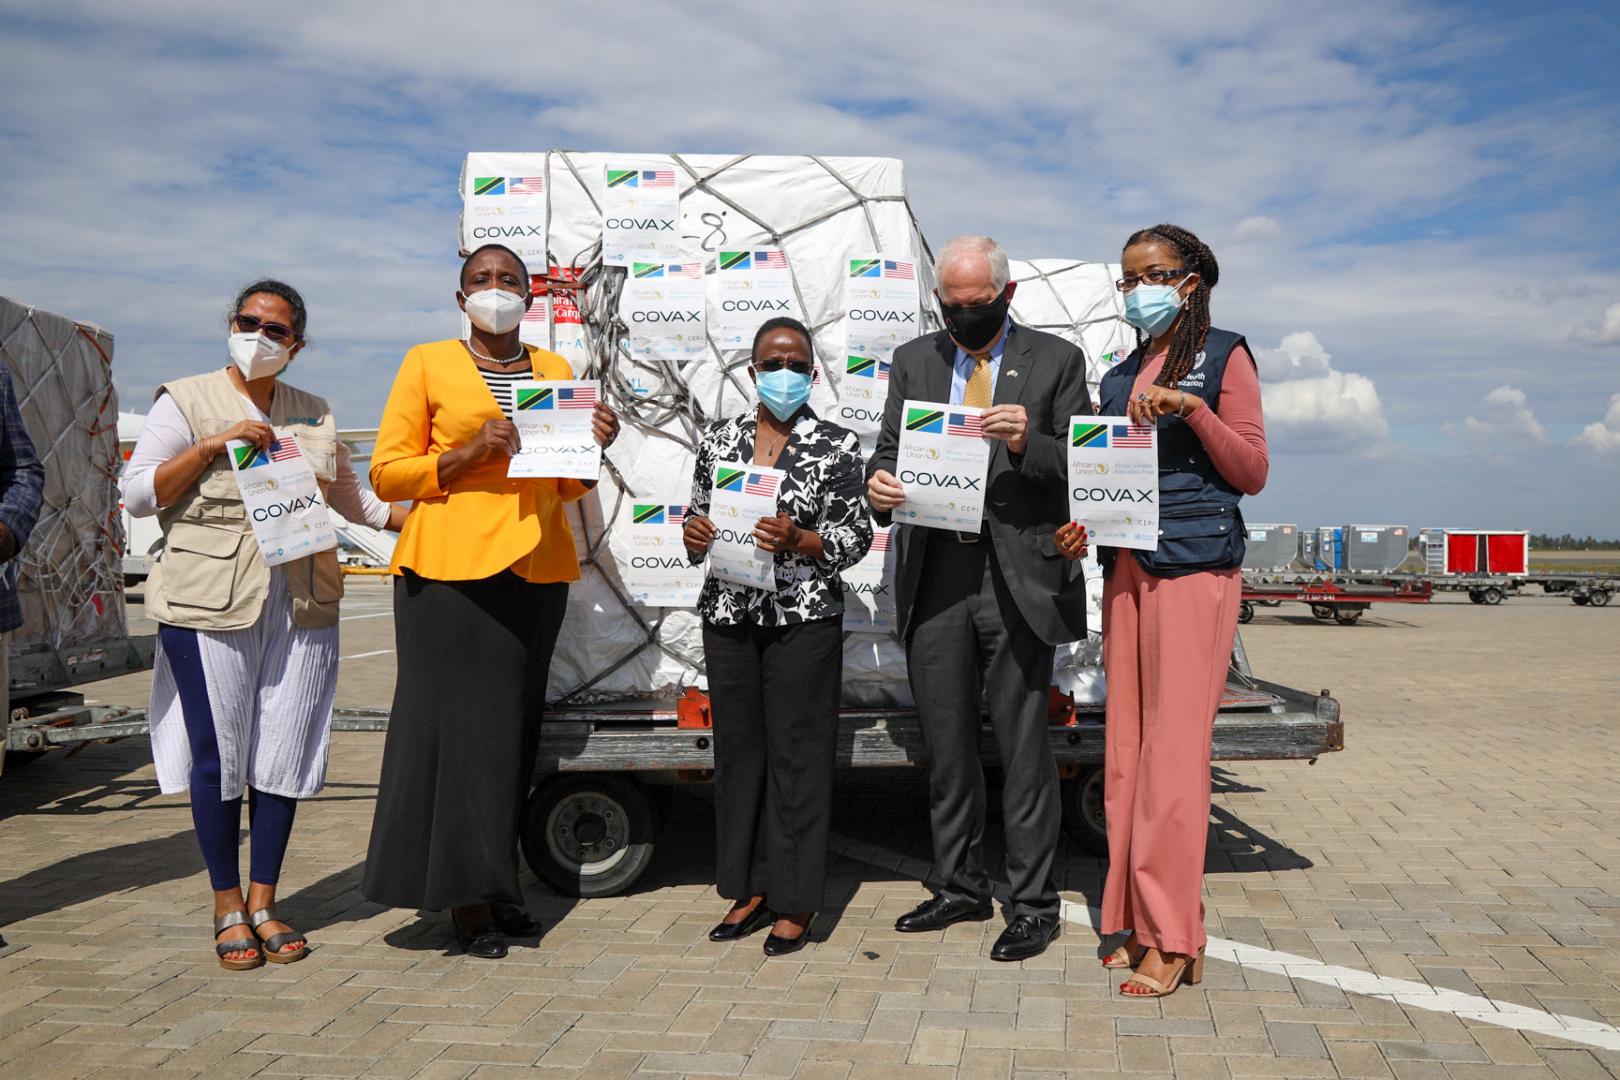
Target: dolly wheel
(1245,612)
(589,835)
(1491,596)
(1582,599)
(1347,616)
(1083,816)
(1322,611)
(1600,598)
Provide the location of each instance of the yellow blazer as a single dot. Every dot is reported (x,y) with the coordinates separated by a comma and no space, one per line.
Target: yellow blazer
(483,523)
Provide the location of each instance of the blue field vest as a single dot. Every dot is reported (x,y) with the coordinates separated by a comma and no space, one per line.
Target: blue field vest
(1200,524)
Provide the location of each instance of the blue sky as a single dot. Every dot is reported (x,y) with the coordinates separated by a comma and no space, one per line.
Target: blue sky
(1414,205)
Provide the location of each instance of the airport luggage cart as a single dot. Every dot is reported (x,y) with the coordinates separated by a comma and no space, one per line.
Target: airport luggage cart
(1342,600)
(1583,589)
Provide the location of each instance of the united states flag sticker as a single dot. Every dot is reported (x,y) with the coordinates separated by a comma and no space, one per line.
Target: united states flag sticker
(285,449)
(685,270)
(770,260)
(1133,435)
(525,185)
(576,397)
(677,515)
(899,271)
(760,484)
(657,177)
(880,540)
(967,424)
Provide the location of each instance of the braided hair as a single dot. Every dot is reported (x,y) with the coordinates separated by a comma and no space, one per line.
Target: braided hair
(1192,325)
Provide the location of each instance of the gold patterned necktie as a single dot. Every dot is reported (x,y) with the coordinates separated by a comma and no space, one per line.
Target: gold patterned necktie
(977,391)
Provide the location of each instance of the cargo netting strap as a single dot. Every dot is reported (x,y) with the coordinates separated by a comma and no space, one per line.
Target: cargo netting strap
(69,574)
(1072,322)
(668,409)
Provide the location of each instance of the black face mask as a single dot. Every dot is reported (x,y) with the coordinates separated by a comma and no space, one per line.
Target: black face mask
(977,326)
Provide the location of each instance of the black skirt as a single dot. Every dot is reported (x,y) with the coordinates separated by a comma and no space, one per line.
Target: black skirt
(462,736)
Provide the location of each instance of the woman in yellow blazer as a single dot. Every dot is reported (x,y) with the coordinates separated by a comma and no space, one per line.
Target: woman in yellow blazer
(483,565)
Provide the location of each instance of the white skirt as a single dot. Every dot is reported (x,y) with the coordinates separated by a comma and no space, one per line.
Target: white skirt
(270,687)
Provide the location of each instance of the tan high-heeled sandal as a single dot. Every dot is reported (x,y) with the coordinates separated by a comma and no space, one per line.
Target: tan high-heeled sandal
(1191,971)
(1122,957)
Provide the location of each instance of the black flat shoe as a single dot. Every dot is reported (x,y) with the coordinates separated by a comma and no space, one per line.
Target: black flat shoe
(514,922)
(1027,936)
(736,931)
(486,943)
(781,946)
(936,913)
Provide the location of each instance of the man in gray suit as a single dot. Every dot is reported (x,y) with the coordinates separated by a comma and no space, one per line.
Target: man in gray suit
(982,612)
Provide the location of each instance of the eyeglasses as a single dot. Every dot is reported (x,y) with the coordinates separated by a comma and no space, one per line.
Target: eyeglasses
(1152,277)
(247,324)
(798,367)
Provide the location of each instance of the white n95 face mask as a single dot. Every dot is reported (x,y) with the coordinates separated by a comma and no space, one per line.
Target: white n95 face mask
(256,356)
(495,311)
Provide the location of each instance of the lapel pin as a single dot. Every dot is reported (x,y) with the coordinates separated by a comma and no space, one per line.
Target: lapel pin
(1012,373)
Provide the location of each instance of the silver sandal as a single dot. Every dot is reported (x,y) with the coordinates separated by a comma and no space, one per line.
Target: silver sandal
(273,943)
(225,948)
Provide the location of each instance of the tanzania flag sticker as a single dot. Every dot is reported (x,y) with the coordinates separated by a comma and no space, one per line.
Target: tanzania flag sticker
(1089,435)
(925,421)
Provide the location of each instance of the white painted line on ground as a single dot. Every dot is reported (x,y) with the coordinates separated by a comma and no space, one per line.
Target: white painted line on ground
(372,615)
(1418,995)
(363,655)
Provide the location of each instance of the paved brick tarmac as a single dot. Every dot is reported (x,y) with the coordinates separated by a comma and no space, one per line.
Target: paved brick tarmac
(1468,839)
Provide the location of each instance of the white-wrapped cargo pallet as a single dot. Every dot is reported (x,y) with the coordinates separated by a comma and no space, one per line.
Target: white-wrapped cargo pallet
(821,213)
(69,575)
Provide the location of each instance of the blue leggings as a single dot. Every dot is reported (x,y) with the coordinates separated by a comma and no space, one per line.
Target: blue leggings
(218,821)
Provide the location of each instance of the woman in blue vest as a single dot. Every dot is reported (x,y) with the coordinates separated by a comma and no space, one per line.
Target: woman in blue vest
(1169,615)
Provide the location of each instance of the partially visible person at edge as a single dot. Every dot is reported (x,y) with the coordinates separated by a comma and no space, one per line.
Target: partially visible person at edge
(247,659)
(1169,615)
(482,571)
(22,486)
(775,658)
(981,612)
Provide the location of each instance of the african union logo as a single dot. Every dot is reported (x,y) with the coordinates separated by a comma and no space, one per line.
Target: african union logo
(925,421)
(728,479)
(536,398)
(248,457)
(1092,436)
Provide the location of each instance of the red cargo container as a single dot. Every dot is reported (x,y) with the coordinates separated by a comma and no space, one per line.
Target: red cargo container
(1485,551)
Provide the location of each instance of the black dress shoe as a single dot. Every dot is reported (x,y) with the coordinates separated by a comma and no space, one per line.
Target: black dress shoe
(1027,936)
(486,943)
(514,922)
(938,913)
(735,931)
(781,946)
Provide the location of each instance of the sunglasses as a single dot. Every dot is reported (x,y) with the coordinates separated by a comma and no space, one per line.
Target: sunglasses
(247,324)
(798,368)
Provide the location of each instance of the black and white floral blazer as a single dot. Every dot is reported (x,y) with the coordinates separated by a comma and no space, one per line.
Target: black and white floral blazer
(824,489)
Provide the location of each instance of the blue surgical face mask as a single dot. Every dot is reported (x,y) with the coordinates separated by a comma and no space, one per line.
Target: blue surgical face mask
(783,392)
(1152,308)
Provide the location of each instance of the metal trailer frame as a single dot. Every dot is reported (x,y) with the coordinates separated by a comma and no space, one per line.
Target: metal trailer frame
(606,774)
(1340,600)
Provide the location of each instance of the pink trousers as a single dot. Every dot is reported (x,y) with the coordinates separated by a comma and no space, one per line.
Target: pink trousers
(1166,646)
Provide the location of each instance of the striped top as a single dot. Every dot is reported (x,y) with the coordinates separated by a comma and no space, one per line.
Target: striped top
(500,384)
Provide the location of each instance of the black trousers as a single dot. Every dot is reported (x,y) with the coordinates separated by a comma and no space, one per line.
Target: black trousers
(969,643)
(463,733)
(775,694)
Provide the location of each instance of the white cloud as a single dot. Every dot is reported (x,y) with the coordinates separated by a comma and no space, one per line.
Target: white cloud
(1312,407)
(1257,227)
(1507,423)
(1603,437)
(1604,332)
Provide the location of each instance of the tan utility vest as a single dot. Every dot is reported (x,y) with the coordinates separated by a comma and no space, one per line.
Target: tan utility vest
(211,575)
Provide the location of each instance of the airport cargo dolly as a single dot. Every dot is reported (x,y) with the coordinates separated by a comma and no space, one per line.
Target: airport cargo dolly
(1342,600)
(605,775)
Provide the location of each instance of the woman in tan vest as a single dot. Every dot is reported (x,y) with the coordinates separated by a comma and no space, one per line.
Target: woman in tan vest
(247,654)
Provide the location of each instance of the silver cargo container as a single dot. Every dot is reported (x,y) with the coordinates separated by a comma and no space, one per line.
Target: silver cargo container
(1372,549)
(1270,547)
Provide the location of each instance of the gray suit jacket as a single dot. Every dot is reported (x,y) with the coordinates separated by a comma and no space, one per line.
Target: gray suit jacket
(1026,496)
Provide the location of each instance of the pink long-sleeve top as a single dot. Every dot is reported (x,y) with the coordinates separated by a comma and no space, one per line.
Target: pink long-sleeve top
(1234,436)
